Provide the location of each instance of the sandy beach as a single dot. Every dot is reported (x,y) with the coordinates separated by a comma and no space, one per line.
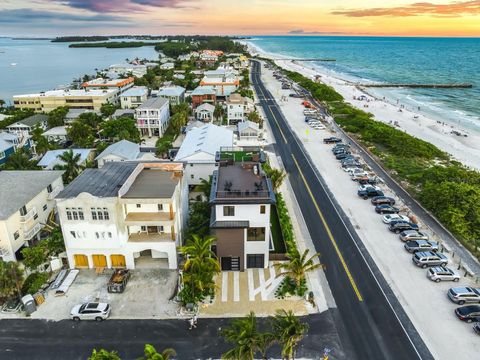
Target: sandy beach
(465,149)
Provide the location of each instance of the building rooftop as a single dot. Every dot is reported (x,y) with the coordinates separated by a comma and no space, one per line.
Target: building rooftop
(69,93)
(51,157)
(235,99)
(205,106)
(100,82)
(18,187)
(56,131)
(6,136)
(5,145)
(75,113)
(123,112)
(171,91)
(104,182)
(244,125)
(153,103)
(153,183)
(125,149)
(30,121)
(136,91)
(203,90)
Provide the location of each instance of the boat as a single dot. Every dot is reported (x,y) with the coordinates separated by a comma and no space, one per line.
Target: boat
(13,64)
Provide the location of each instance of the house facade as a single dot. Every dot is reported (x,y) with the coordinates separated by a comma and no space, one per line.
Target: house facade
(152,117)
(241,199)
(133,97)
(203,94)
(236,109)
(135,219)
(24,213)
(204,112)
(174,94)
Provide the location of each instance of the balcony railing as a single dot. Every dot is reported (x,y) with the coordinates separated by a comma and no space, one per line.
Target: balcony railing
(242,194)
(54,193)
(145,237)
(141,218)
(29,234)
(29,215)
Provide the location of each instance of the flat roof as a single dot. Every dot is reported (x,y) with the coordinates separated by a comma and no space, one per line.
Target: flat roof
(71,92)
(136,91)
(153,183)
(100,82)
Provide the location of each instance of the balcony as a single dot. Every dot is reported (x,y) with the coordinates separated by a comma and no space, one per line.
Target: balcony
(28,216)
(30,233)
(54,193)
(152,237)
(148,218)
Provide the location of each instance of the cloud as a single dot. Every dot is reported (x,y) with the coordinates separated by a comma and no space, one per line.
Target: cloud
(28,16)
(454,9)
(107,6)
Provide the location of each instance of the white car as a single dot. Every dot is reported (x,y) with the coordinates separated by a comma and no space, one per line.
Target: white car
(90,311)
(387,219)
(358,172)
(442,273)
(318,127)
(365,187)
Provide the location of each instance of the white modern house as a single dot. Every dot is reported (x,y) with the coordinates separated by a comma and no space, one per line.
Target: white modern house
(204,112)
(198,151)
(27,199)
(152,117)
(122,150)
(124,215)
(241,199)
(223,81)
(174,94)
(236,109)
(248,130)
(133,97)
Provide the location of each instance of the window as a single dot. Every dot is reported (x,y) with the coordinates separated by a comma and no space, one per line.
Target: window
(262,209)
(74,213)
(192,176)
(191,165)
(255,261)
(45,207)
(229,211)
(35,216)
(2,155)
(16,235)
(139,205)
(23,211)
(73,234)
(256,234)
(100,214)
(49,188)
(109,235)
(143,228)
(160,228)
(160,207)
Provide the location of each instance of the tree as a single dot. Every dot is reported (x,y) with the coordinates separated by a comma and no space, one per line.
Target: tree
(42,145)
(56,117)
(70,165)
(33,257)
(255,117)
(289,331)
(91,119)
(276,176)
(107,109)
(81,134)
(103,354)
(11,278)
(298,266)
(205,186)
(152,354)
(54,243)
(265,341)
(218,112)
(199,219)
(244,336)
(123,128)
(2,103)
(178,120)
(20,160)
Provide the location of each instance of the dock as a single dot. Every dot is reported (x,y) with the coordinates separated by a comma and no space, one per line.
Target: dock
(425,86)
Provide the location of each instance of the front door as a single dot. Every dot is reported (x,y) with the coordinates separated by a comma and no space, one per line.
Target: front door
(255,261)
(230,263)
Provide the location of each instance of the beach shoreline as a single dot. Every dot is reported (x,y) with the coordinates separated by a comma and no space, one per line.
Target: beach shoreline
(446,136)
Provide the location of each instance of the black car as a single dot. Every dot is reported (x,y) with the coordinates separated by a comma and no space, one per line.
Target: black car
(476,328)
(379,200)
(340,150)
(398,226)
(386,209)
(332,140)
(469,313)
(369,192)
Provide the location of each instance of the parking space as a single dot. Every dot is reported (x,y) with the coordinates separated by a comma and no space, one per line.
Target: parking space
(147,295)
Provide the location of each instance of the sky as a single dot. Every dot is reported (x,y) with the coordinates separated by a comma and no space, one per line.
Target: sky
(245,17)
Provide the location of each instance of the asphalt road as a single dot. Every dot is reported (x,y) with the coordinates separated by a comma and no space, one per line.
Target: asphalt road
(377,326)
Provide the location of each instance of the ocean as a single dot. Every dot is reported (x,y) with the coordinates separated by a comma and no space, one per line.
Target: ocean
(42,65)
(397,60)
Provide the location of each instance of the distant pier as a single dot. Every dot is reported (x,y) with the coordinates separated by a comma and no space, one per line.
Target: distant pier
(425,86)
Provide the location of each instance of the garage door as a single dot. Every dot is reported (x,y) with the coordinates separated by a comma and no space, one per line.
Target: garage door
(99,261)
(81,261)
(118,261)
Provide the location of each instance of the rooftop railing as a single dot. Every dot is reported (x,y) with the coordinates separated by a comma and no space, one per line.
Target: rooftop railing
(237,194)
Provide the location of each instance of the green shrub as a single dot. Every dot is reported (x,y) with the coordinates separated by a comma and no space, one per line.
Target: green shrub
(34,282)
(286,225)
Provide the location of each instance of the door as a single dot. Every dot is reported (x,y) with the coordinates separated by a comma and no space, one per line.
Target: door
(99,261)
(226,263)
(118,261)
(152,229)
(255,261)
(81,261)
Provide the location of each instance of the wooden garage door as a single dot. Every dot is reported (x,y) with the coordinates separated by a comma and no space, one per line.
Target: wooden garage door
(118,261)
(99,261)
(80,261)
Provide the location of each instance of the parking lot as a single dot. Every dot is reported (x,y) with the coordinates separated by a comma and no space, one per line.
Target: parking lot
(147,295)
(425,302)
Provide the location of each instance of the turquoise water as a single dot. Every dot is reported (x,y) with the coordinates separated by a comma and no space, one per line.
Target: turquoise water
(42,65)
(398,60)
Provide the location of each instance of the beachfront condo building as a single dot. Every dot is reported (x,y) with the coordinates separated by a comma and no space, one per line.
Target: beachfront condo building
(222,81)
(152,117)
(27,198)
(124,215)
(101,84)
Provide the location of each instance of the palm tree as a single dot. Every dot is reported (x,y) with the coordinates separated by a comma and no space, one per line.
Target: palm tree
(244,336)
(152,354)
(103,354)
(20,160)
(265,340)
(200,254)
(289,331)
(11,276)
(276,176)
(218,112)
(205,186)
(298,266)
(70,165)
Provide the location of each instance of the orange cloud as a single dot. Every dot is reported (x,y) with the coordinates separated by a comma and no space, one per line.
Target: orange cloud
(455,9)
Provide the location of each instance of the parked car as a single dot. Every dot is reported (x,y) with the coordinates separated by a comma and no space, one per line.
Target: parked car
(378,200)
(90,311)
(389,218)
(476,328)
(332,140)
(319,126)
(469,313)
(425,259)
(399,226)
(442,273)
(408,235)
(350,163)
(367,191)
(341,150)
(420,245)
(360,177)
(462,295)
(339,147)
(368,180)
(386,209)
(343,155)
(295,95)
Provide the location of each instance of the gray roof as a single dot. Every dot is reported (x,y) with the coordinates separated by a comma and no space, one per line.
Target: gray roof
(153,183)
(244,125)
(4,145)
(153,103)
(124,149)
(230,224)
(18,187)
(104,182)
(31,121)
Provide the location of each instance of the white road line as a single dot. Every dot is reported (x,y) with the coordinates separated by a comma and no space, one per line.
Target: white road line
(236,286)
(224,286)
(251,294)
(261,278)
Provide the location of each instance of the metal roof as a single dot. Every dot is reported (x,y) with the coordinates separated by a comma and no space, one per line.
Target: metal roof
(51,157)
(153,103)
(125,149)
(230,224)
(31,121)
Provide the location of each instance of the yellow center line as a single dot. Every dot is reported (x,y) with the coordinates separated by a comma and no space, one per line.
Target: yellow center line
(329,233)
(278,125)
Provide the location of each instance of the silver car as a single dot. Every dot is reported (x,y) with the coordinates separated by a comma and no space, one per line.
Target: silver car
(408,235)
(442,273)
(90,311)
(425,259)
(420,245)
(462,295)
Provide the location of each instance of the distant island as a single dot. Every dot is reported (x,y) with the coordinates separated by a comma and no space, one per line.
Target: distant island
(112,45)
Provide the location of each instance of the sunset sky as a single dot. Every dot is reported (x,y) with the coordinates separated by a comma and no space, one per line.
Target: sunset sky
(245,17)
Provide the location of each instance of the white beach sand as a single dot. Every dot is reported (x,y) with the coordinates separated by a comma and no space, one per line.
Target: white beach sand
(434,131)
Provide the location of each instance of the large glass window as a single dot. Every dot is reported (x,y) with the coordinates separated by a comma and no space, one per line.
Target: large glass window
(229,211)
(100,214)
(256,234)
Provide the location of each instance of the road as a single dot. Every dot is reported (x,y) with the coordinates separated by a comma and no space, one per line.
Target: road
(377,326)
